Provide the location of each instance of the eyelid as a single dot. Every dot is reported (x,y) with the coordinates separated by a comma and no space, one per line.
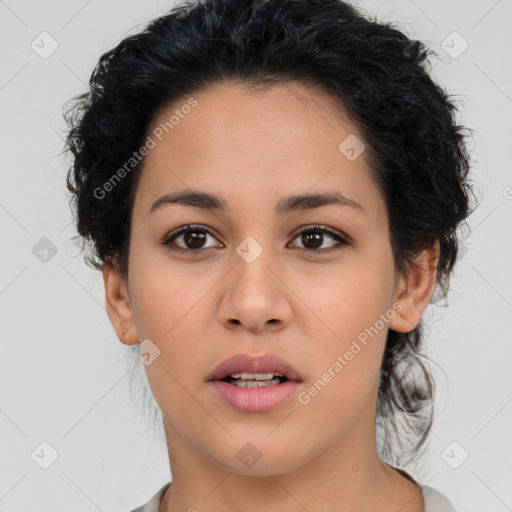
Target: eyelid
(188,227)
(325,229)
(343,240)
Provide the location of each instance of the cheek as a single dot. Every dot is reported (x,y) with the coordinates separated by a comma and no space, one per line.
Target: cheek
(163,295)
(169,310)
(353,297)
(355,309)
(345,366)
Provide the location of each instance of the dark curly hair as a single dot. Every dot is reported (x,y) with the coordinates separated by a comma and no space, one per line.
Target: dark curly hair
(417,152)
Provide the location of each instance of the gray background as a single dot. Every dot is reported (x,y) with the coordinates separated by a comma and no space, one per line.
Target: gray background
(65,375)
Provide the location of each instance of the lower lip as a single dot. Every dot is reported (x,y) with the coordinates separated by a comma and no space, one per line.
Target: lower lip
(256,399)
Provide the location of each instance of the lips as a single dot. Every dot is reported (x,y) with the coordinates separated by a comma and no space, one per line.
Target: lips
(268,363)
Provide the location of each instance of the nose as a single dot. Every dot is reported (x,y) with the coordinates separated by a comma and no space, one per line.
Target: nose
(255,295)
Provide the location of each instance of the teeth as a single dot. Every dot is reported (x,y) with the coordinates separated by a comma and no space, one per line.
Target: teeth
(254,383)
(254,376)
(254,380)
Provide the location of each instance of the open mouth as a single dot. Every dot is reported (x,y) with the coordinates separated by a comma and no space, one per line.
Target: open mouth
(255,384)
(254,380)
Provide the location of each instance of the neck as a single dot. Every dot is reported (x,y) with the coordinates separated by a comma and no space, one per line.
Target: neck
(346,476)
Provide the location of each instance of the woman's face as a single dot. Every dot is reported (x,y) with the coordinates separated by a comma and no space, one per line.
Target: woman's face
(253,288)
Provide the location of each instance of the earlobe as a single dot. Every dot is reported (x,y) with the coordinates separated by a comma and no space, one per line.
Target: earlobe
(415,290)
(117,304)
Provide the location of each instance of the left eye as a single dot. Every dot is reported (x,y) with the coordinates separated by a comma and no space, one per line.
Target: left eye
(316,234)
(194,238)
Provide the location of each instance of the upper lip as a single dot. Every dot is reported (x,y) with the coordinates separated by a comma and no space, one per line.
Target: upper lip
(267,363)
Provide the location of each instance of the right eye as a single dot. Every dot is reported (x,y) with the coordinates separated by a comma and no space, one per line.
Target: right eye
(194,237)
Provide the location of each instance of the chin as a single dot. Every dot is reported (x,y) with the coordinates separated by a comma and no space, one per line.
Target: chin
(261,462)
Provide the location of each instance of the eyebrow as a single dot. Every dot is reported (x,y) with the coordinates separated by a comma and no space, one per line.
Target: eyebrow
(212,202)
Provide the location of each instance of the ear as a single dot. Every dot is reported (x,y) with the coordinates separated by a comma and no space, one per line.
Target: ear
(117,304)
(415,290)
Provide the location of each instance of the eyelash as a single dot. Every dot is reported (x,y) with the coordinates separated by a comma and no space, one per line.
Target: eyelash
(308,229)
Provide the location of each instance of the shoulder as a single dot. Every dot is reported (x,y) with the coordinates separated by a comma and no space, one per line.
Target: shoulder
(436,501)
(154,502)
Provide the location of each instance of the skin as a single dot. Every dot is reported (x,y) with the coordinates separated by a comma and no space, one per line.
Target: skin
(253,149)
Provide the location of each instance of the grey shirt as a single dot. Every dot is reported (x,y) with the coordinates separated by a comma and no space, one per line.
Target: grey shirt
(434,500)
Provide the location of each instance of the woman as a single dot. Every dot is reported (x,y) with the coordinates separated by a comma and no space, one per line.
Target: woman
(272,191)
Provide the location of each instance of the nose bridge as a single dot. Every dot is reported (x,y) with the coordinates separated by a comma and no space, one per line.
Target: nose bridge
(252,266)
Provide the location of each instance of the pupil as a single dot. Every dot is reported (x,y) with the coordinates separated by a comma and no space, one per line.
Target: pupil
(195,237)
(317,242)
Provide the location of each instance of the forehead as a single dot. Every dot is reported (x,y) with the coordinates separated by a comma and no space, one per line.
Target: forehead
(237,142)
